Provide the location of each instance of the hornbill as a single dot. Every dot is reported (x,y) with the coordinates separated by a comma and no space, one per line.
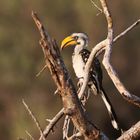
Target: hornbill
(79,59)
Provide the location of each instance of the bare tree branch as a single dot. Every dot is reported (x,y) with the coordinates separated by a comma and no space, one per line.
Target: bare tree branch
(127,30)
(44,67)
(74,136)
(97,48)
(55,119)
(95,5)
(107,46)
(30,136)
(52,123)
(132,134)
(71,103)
(119,36)
(106,61)
(66,127)
(34,119)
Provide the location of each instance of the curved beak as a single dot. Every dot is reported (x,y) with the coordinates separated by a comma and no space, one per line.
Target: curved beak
(68,41)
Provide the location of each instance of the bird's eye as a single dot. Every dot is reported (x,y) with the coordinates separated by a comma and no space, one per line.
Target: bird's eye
(75,37)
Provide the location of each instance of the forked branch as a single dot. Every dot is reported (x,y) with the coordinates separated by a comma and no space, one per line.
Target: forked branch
(107,57)
(106,46)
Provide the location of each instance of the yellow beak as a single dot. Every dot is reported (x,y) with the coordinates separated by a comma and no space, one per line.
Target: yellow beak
(68,41)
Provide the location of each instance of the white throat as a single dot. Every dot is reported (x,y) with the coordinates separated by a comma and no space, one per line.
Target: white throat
(77,61)
(78,48)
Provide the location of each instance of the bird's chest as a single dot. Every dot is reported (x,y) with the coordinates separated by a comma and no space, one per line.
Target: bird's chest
(78,65)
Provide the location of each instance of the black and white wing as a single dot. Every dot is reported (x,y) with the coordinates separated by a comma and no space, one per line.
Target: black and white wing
(95,83)
(95,75)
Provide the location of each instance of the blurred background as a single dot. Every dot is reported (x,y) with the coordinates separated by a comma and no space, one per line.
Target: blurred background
(21,58)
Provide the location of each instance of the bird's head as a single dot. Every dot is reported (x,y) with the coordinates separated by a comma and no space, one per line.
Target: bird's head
(76,40)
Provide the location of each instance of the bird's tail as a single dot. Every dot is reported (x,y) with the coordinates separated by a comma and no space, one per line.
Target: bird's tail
(111,112)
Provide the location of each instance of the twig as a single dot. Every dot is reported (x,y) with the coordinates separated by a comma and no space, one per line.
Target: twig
(55,119)
(126,31)
(41,70)
(75,136)
(52,123)
(30,136)
(66,127)
(34,119)
(132,134)
(120,35)
(56,92)
(101,11)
